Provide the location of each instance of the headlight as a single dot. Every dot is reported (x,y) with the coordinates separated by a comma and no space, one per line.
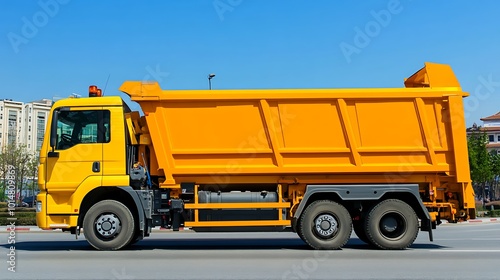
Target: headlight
(38,206)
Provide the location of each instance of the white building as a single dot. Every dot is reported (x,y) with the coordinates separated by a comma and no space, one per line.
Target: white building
(23,123)
(10,122)
(35,119)
(491,126)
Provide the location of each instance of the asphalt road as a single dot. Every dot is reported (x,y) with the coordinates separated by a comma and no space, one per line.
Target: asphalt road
(466,251)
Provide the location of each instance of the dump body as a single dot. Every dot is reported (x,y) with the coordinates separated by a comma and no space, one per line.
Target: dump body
(392,134)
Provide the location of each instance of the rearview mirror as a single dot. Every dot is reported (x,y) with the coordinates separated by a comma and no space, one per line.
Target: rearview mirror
(53,130)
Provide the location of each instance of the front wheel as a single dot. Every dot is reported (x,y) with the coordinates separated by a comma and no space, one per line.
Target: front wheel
(325,225)
(109,225)
(392,224)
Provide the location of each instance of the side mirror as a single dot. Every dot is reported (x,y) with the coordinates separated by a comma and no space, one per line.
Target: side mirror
(53,130)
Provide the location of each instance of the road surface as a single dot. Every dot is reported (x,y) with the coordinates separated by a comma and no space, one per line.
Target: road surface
(465,251)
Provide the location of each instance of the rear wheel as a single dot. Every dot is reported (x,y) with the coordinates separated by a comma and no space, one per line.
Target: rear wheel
(392,224)
(325,225)
(359,229)
(109,225)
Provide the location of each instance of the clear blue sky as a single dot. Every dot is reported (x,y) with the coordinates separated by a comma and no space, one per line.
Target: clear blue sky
(54,48)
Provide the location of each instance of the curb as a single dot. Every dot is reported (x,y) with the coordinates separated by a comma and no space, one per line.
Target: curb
(475,221)
(483,220)
(25,228)
(35,228)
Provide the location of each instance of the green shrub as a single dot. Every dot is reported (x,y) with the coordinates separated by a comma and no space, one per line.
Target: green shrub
(494,213)
(26,221)
(18,214)
(18,209)
(23,218)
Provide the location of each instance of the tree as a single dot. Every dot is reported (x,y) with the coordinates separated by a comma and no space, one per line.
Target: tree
(32,172)
(23,163)
(495,165)
(480,161)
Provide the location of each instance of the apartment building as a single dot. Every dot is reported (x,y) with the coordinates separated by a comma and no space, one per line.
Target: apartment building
(23,123)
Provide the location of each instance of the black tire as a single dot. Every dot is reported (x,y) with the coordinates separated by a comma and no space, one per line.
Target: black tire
(392,224)
(109,225)
(299,233)
(135,239)
(325,225)
(359,229)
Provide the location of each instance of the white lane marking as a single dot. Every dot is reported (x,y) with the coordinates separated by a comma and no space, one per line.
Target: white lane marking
(465,239)
(465,251)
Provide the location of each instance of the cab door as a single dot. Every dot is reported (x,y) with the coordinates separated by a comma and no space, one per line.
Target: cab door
(76,154)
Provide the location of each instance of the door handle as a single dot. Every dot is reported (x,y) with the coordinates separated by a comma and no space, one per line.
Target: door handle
(96,166)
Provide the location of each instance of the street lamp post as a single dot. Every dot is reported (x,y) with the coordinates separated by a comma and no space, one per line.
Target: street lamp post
(210,76)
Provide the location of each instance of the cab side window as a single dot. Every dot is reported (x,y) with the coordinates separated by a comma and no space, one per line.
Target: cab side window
(82,127)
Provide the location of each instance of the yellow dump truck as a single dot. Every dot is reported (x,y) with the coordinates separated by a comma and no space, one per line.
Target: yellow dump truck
(385,162)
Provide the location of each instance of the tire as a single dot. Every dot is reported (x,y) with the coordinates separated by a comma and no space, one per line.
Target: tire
(359,230)
(392,225)
(299,233)
(325,225)
(109,225)
(135,239)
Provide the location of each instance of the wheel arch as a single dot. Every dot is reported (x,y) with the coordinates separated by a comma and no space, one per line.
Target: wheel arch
(347,195)
(126,195)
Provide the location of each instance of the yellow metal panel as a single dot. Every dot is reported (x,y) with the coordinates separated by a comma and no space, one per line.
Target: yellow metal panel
(459,138)
(312,124)
(41,172)
(131,129)
(115,180)
(320,158)
(231,162)
(237,223)
(208,126)
(66,202)
(406,160)
(41,217)
(62,221)
(272,133)
(433,75)
(392,123)
(258,205)
(433,109)
(89,102)
(348,131)
(425,127)
(72,167)
(113,152)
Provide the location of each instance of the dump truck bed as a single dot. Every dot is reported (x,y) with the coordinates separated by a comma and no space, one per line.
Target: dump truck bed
(203,135)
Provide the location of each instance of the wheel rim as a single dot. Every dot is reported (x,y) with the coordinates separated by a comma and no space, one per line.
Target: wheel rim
(108,225)
(392,225)
(325,226)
